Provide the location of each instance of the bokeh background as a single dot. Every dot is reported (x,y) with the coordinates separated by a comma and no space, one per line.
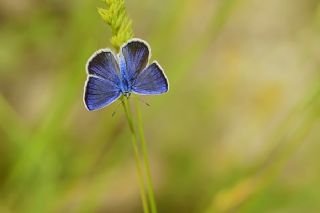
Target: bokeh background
(238,131)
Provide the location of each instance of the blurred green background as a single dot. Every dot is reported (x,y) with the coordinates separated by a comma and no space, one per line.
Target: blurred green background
(238,131)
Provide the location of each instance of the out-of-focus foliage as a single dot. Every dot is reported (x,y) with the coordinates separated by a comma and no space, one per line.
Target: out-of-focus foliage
(238,130)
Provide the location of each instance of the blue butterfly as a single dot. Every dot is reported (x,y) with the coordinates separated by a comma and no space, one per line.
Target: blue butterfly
(110,76)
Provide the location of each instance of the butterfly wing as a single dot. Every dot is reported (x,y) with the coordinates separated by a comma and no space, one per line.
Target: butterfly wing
(134,58)
(103,64)
(102,86)
(151,81)
(100,93)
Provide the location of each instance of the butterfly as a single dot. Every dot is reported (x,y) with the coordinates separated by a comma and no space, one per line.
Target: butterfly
(111,76)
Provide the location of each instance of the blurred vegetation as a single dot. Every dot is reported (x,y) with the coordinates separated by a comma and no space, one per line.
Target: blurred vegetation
(238,131)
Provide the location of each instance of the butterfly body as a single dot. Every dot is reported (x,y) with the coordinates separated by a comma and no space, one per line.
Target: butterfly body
(110,76)
(125,84)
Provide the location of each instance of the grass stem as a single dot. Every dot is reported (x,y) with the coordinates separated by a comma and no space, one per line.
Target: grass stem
(127,109)
(150,190)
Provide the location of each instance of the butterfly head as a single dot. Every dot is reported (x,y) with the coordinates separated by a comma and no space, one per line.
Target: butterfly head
(125,87)
(127,94)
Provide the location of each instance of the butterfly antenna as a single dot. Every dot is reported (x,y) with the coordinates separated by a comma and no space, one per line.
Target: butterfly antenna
(144,102)
(114,112)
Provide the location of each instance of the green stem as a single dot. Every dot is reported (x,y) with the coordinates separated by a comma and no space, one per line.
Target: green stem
(127,109)
(151,196)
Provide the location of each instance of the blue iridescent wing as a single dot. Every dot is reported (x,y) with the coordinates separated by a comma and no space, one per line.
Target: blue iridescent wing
(134,58)
(104,65)
(151,81)
(100,93)
(102,86)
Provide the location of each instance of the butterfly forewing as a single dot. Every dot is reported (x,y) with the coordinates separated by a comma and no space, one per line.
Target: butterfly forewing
(104,64)
(135,54)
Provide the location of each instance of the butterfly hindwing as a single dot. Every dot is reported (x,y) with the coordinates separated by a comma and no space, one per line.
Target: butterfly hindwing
(100,93)
(150,81)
